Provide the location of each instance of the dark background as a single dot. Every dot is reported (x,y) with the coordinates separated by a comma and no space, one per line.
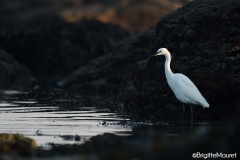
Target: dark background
(102,51)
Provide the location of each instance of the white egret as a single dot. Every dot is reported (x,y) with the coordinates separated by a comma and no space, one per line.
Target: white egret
(183,88)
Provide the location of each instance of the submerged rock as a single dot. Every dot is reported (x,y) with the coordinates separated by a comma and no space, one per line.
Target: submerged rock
(203,37)
(13,75)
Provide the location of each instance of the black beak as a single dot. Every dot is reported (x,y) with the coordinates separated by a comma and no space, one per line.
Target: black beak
(157,53)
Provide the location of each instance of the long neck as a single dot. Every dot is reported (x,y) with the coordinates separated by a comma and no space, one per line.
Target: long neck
(168,71)
(167,64)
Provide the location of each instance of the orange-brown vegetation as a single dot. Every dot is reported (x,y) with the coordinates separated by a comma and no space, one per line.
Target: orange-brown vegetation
(131,15)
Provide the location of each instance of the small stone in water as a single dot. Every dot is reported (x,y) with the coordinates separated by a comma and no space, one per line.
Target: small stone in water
(39,132)
(104,123)
(77,138)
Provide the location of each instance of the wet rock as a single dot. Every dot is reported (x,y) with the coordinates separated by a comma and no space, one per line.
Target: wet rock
(71,137)
(16,142)
(52,50)
(13,75)
(148,146)
(105,75)
(203,37)
(223,138)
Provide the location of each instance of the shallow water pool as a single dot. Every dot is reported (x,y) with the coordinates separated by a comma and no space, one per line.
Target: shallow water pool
(58,120)
(51,124)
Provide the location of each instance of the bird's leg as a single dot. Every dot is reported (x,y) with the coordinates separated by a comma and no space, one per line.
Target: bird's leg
(183,117)
(191,116)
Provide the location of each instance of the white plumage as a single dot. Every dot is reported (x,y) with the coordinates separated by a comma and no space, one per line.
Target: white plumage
(183,88)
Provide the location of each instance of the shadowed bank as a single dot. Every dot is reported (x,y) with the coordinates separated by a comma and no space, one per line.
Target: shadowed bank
(54,48)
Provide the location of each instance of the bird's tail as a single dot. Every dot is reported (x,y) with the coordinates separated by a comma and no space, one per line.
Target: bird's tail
(204,104)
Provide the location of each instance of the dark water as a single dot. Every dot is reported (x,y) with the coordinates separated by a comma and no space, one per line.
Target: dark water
(48,122)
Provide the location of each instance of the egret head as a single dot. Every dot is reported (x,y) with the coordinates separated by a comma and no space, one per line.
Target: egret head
(162,51)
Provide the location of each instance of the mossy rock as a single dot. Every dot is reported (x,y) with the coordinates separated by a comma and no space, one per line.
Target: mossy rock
(16,142)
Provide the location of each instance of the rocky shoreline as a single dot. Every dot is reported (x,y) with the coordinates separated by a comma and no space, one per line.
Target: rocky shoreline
(108,64)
